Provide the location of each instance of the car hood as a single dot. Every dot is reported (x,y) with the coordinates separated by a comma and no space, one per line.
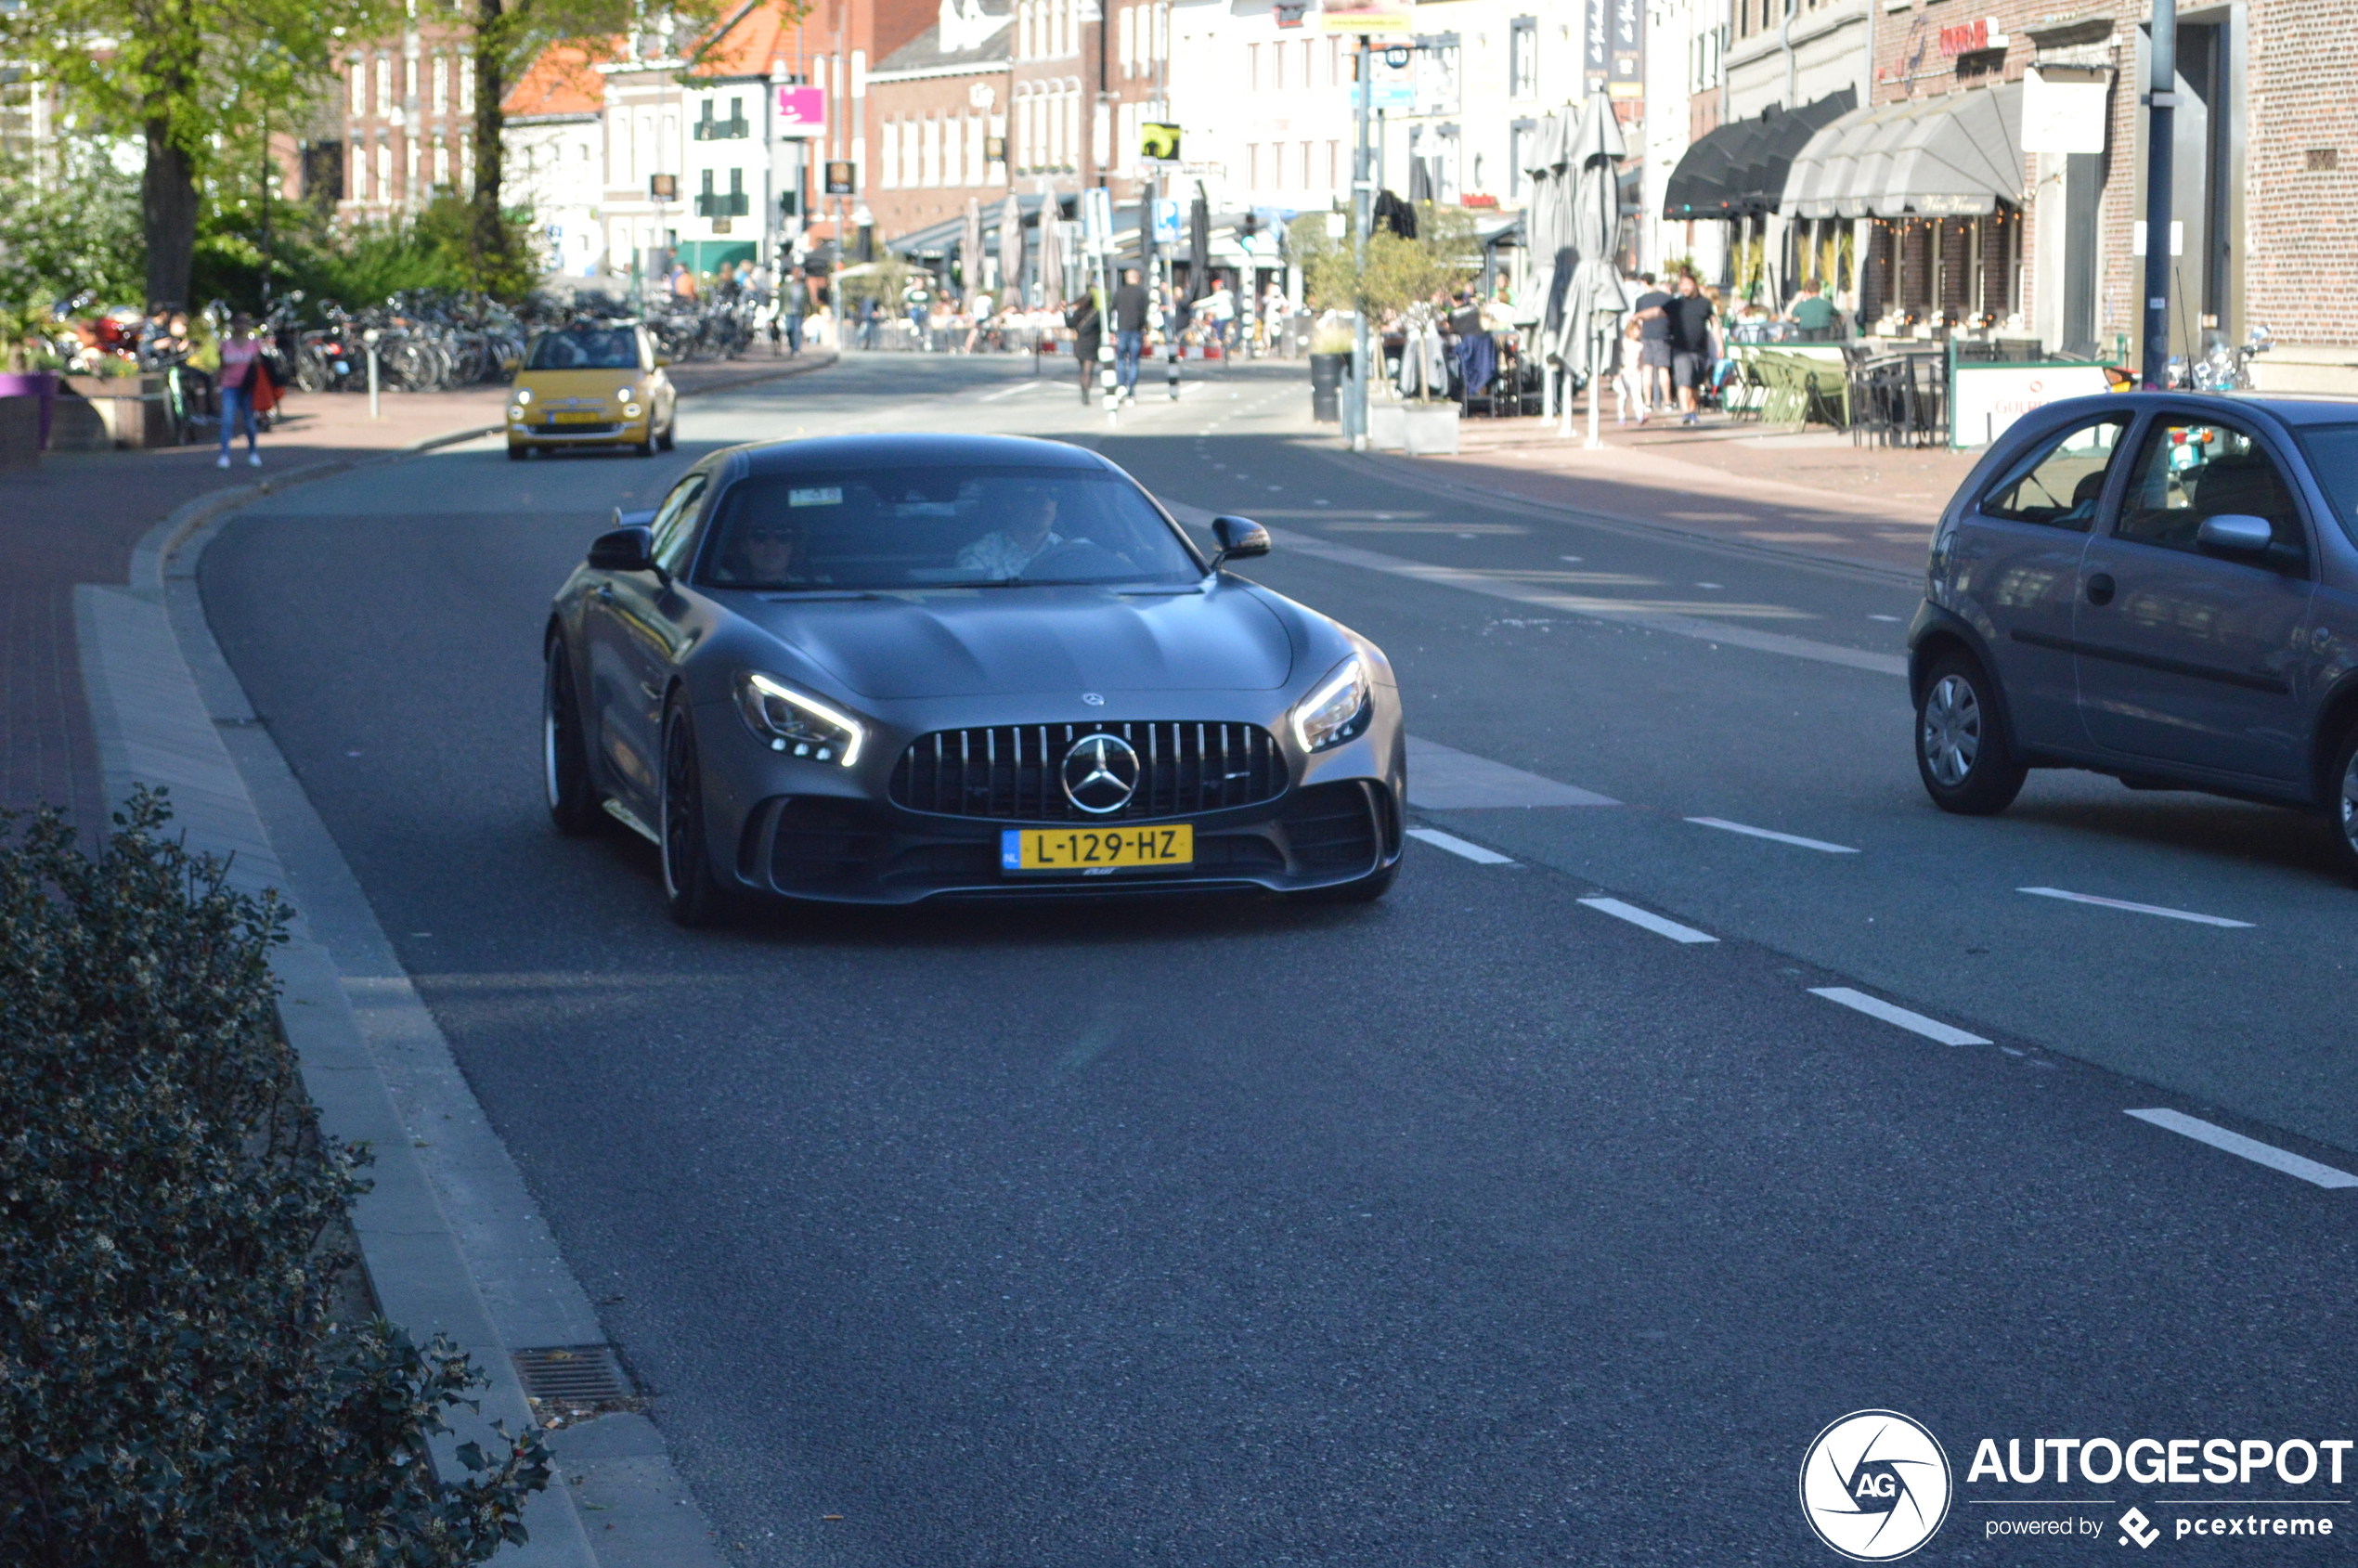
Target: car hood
(593,386)
(976,642)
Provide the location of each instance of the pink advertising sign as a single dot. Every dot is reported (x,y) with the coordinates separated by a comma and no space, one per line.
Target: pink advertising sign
(802,111)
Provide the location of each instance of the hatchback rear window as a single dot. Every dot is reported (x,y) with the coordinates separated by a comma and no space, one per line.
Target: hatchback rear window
(2333,457)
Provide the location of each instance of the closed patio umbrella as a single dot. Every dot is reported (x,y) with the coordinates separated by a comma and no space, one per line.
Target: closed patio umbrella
(1548,233)
(1594,301)
(1050,260)
(1199,246)
(1010,249)
(970,249)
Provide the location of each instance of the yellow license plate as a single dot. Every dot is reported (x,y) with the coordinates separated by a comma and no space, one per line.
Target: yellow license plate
(1096,848)
(593,417)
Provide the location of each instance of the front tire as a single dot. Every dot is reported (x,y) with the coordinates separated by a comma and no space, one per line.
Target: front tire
(573,805)
(1961,749)
(517,453)
(669,432)
(692,893)
(2341,802)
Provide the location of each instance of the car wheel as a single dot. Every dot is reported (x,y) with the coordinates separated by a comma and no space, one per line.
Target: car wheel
(646,449)
(2341,802)
(1961,746)
(693,894)
(573,805)
(518,453)
(669,432)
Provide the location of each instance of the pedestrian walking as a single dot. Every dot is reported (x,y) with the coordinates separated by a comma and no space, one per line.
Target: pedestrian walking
(240,370)
(1129,332)
(794,303)
(1222,310)
(1687,318)
(1653,342)
(1088,335)
(979,320)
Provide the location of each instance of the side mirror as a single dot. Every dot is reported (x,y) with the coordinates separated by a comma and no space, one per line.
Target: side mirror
(631,548)
(1238,538)
(2233,533)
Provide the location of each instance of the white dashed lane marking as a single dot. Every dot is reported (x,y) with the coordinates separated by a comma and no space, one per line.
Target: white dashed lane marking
(2218,1137)
(1795,839)
(1458,845)
(1916,1023)
(1648,920)
(2166,913)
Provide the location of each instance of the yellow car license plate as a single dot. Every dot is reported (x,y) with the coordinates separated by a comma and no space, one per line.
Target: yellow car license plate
(1096,848)
(592,416)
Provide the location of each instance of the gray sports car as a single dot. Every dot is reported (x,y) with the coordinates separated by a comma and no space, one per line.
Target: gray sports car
(881,668)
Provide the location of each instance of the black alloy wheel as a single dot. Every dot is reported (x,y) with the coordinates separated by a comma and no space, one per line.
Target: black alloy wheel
(1961,750)
(573,805)
(669,432)
(2341,800)
(694,895)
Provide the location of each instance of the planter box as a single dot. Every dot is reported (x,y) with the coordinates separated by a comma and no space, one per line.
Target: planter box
(1430,429)
(40,385)
(1388,426)
(19,431)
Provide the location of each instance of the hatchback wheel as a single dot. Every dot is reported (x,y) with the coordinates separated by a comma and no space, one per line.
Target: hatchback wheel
(694,895)
(1961,747)
(2342,804)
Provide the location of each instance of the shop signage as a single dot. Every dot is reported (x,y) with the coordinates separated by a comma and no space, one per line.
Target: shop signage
(802,111)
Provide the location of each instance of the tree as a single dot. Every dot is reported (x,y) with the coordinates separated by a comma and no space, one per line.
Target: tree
(183,78)
(511,36)
(1399,271)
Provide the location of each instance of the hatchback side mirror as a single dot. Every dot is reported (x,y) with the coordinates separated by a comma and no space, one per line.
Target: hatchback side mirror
(2234,533)
(1238,538)
(624,550)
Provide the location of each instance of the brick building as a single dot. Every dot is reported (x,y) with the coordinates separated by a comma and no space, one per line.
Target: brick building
(408,121)
(938,114)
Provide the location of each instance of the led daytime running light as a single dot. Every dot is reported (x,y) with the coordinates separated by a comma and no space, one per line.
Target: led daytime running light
(755,688)
(1349,680)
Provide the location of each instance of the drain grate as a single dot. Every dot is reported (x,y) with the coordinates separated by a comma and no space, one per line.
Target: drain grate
(579,1376)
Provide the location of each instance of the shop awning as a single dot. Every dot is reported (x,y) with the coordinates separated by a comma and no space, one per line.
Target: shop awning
(1740,170)
(1958,155)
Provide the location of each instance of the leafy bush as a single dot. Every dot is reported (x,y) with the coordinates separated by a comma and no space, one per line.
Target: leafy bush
(1399,272)
(175,1387)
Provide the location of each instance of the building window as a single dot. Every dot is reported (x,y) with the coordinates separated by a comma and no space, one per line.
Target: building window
(356,76)
(1522,57)
(467,86)
(1252,66)
(1519,136)
(441,84)
(384,85)
(1276,67)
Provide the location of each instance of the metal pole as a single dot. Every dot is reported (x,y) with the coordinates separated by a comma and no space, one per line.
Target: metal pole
(372,375)
(1363,208)
(2161,102)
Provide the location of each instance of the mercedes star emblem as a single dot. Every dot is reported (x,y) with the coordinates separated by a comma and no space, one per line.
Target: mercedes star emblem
(1092,699)
(1100,773)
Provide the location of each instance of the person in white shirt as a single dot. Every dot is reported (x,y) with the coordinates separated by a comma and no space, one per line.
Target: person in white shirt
(978,309)
(1004,552)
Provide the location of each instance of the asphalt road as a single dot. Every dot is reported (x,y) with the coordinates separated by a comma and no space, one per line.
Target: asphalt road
(1479,1227)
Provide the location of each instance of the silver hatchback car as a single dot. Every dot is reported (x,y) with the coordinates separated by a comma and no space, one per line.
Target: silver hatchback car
(2160,586)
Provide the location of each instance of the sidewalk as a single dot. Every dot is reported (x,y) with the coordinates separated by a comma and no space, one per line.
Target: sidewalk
(79,515)
(1810,492)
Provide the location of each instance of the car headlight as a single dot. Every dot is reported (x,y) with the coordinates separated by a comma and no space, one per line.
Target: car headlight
(630,410)
(625,393)
(516,412)
(1337,709)
(794,722)
(524,395)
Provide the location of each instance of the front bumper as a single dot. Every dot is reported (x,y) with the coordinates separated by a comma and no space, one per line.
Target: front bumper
(844,850)
(619,433)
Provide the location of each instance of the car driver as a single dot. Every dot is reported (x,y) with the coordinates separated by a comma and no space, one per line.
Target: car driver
(1031,529)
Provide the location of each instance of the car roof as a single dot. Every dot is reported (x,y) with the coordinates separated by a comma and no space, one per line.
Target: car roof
(912,450)
(2291,410)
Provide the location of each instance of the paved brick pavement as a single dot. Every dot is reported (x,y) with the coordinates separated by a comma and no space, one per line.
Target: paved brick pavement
(1813,493)
(78,516)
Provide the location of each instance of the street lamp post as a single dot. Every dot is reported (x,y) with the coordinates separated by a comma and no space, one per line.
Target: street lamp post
(2161,102)
(1363,208)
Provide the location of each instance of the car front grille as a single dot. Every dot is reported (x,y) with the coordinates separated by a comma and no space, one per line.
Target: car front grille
(552,428)
(1011,772)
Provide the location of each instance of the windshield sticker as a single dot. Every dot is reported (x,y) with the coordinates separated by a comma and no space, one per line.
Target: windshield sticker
(831,495)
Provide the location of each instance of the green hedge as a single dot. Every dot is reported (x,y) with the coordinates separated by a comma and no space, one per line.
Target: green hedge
(175,1387)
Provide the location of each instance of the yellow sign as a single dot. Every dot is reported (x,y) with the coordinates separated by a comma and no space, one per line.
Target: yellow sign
(1378,17)
(1159,142)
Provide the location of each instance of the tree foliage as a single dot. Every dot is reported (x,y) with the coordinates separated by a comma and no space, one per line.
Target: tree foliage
(192,81)
(175,1387)
(1398,271)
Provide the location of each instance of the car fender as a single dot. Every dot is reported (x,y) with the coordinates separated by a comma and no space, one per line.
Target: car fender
(1938,630)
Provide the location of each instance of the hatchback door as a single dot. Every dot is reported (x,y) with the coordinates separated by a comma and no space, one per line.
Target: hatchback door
(2014,563)
(634,638)
(2187,655)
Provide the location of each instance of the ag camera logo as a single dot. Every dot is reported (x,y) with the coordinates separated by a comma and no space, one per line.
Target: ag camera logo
(1875,1485)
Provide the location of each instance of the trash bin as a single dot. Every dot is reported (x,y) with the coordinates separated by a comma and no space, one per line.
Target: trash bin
(1326,374)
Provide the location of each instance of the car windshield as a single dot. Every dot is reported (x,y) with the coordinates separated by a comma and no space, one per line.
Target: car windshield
(942,528)
(586,348)
(2333,457)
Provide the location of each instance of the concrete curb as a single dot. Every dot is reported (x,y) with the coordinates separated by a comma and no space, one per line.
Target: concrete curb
(451,1236)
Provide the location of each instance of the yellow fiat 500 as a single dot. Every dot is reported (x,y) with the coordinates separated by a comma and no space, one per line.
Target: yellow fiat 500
(591,383)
